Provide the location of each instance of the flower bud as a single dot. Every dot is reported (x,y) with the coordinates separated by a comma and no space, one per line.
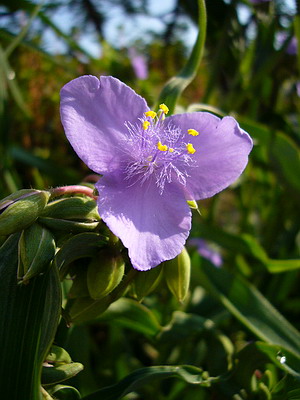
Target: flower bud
(177,273)
(21,209)
(58,355)
(86,309)
(146,281)
(79,287)
(193,205)
(72,208)
(36,250)
(105,272)
(73,214)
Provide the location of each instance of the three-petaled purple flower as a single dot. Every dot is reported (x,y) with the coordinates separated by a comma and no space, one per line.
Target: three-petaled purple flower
(150,164)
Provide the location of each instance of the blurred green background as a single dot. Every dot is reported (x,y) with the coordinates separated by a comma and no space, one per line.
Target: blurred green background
(250,70)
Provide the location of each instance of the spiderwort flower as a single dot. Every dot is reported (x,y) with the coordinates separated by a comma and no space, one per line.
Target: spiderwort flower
(139,64)
(151,164)
(207,251)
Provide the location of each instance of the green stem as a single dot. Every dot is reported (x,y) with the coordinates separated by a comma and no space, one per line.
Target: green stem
(23,32)
(198,49)
(176,85)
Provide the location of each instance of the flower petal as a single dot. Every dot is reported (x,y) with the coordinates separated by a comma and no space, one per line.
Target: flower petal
(153,227)
(93,113)
(222,149)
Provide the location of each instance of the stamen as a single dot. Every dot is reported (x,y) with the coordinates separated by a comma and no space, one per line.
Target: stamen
(162,147)
(190,148)
(193,132)
(164,108)
(151,114)
(146,125)
(162,154)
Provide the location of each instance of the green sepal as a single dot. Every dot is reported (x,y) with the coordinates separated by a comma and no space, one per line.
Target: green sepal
(104,273)
(36,250)
(55,374)
(177,274)
(21,209)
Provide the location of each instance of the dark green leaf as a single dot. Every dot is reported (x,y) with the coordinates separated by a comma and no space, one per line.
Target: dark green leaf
(248,305)
(283,358)
(133,315)
(176,85)
(60,373)
(28,320)
(83,245)
(64,392)
(146,376)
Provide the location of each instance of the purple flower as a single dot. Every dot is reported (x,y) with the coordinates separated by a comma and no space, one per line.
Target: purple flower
(206,251)
(150,164)
(139,64)
(292,46)
(298,88)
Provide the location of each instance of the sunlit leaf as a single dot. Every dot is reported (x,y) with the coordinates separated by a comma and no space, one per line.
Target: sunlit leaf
(251,308)
(146,376)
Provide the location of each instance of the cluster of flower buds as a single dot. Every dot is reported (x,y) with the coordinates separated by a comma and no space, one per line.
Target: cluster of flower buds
(65,231)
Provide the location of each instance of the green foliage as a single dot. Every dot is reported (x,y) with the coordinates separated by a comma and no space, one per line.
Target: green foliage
(230,332)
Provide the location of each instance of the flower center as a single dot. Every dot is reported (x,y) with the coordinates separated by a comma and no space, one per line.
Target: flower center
(158,150)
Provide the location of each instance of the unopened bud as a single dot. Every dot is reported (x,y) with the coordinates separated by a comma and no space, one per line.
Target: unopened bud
(86,309)
(36,250)
(104,274)
(193,205)
(146,281)
(58,355)
(73,214)
(79,287)
(177,273)
(72,208)
(21,209)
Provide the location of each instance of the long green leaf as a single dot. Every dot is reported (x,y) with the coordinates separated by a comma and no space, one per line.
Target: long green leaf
(18,39)
(133,315)
(28,320)
(5,71)
(146,376)
(250,307)
(176,85)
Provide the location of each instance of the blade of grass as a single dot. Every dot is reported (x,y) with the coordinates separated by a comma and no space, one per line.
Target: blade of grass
(176,85)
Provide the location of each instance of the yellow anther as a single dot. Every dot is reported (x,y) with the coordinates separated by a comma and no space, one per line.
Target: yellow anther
(164,108)
(151,114)
(171,149)
(190,148)
(146,125)
(193,132)
(162,147)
